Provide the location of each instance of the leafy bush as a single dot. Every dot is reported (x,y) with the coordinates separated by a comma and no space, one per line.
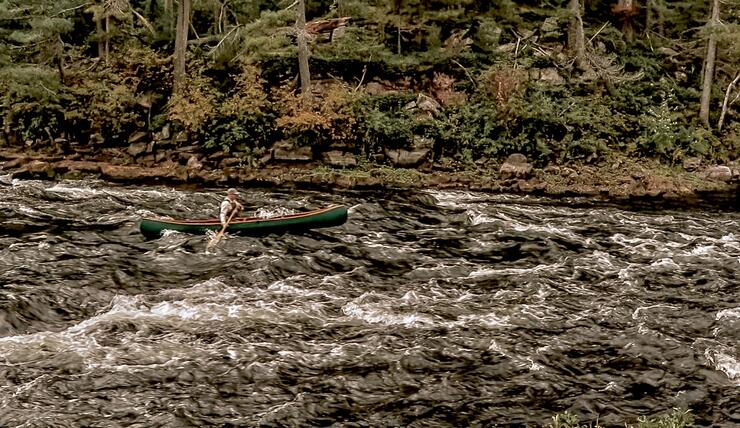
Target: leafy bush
(32,103)
(321,120)
(677,418)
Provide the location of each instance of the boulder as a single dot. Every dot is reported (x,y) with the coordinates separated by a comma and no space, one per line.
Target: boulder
(35,169)
(718,173)
(147,160)
(130,173)
(339,159)
(194,164)
(691,164)
(667,51)
(515,166)
(550,25)
(284,152)
(137,137)
(137,149)
(77,166)
(182,137)
(338,33)
(230,162)
(160,156)
(377,88)
(550,75)
(216,156)
(505,48)
(96,139)
(408,158)
(423,142)
(15,163)
(185,153)
(427,104)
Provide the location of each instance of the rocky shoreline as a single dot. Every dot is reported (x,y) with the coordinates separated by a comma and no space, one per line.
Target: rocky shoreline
(621,181)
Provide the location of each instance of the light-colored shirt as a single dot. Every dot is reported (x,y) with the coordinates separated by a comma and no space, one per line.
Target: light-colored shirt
(227,207)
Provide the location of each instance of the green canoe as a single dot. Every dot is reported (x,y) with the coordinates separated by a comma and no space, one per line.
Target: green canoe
(333,215)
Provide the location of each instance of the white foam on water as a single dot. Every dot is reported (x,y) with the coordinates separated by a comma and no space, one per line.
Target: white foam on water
(81,338)
(381,316)
(539,312)
(702,250)
(491,320)
(377,309)
(74,192)
(724,362)
(728,313)
(611,386)
(489,272)
(195,312)
(533,366)
(284,287)
(665,263)
(636,314)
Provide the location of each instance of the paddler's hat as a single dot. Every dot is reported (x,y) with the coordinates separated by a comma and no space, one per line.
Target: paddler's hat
(232,191)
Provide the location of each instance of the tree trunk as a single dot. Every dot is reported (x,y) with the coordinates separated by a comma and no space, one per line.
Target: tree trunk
(181,43)
(300,25)
(60,61)
(576,38)
(217,17)
(706,90)
(101,38)
(107,37)
(168,15)
(627,10)
(398,40)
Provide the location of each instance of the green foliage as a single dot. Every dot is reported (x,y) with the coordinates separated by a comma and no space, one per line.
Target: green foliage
(357,44)
(50,84)
(676,419)
(243,134)
(32,99)
(384,122)
(662,134)
(388,129)
(569,420)
(488,35)
(472,129)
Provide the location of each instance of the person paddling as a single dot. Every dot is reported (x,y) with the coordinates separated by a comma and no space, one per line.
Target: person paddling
(230,205)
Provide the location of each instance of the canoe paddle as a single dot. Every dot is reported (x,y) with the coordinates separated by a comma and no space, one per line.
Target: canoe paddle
(220,234)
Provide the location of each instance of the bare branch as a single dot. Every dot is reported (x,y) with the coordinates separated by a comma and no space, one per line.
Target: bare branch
(73,8)
(213,51)
(597,33)
(467,73)
(47,89)
(364,72)
(727,103)
(145,22)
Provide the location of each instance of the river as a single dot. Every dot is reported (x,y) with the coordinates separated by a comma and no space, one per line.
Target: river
(434,309)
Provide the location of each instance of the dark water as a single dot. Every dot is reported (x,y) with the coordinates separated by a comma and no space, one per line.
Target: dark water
(431,309)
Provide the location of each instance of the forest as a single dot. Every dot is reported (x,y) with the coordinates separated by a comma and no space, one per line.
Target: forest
(401,82)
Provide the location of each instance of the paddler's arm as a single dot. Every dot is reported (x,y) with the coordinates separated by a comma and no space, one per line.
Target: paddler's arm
(225,206)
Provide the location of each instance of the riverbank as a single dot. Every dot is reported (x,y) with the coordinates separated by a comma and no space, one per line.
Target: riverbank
(619,180)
